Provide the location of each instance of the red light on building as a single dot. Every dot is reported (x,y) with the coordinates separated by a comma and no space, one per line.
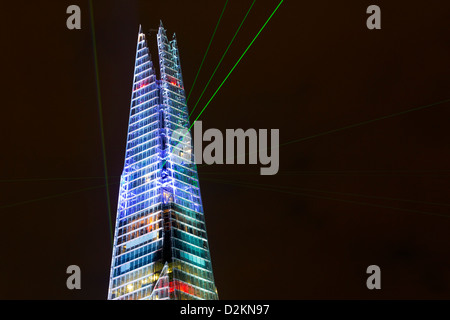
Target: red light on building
(181,286)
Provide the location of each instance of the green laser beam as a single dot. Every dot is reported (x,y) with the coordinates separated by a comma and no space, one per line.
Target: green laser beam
(223,56)
(334,199)
(100,115)
(340,173)
(207,49)
(240,58)
(420,173)
(349,171)
(52,179)
(376,197)
(348,127)
(369,172)
(345,193)
(366,122)
(51,196)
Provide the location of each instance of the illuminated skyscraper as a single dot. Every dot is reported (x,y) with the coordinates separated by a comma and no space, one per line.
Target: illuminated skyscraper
(160,248)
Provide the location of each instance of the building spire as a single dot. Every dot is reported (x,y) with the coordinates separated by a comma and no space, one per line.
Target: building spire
(161,24)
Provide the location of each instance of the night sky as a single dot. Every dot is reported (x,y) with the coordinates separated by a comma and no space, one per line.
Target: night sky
(373,194)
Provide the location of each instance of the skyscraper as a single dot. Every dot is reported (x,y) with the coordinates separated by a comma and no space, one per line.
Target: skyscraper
(160,247)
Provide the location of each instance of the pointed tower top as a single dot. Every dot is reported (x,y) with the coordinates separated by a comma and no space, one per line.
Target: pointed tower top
(161,24)
(140,28)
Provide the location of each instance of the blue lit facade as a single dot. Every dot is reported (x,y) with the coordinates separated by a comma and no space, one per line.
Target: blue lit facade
(160,248)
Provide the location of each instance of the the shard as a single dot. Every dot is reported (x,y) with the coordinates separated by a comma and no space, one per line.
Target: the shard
(160,246)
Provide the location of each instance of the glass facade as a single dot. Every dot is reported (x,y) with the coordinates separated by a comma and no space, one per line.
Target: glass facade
(160,248)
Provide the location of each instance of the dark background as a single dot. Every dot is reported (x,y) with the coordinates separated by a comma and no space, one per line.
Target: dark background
(305,233)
